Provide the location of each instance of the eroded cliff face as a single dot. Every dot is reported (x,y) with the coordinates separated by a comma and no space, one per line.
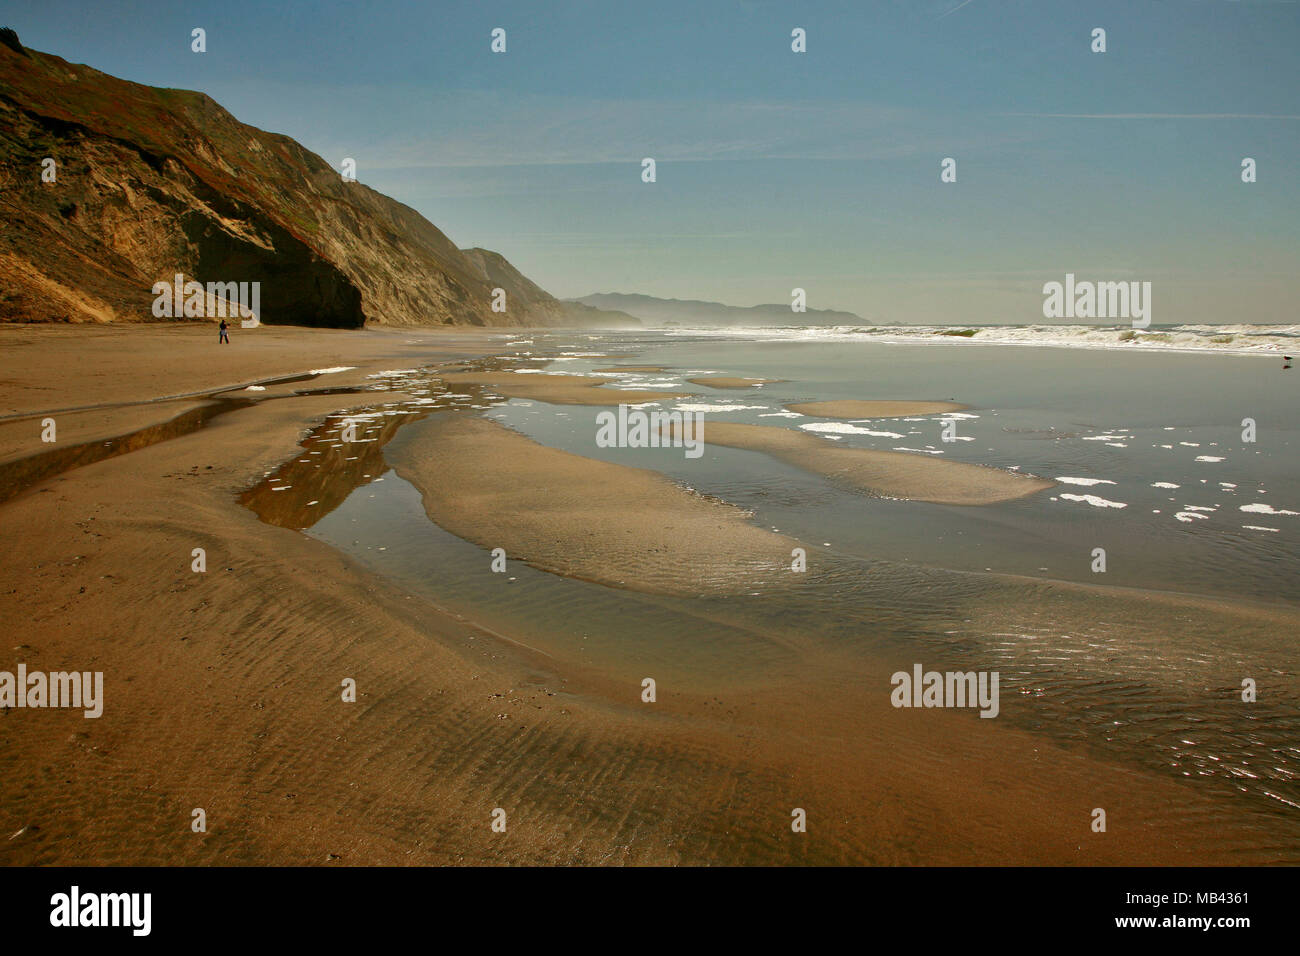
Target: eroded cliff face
(152,182)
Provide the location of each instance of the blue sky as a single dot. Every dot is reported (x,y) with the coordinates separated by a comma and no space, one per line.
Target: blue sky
(775,169)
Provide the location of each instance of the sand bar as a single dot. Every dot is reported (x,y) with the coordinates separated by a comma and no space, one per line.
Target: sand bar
(580,517)
(558,389)
(723,381)
(886,474)
(852,408)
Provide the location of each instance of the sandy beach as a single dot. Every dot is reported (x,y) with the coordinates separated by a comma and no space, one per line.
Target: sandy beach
(223,688)
(431,440)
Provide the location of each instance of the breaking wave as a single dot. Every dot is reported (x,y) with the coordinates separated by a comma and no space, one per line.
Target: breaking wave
(1238,339)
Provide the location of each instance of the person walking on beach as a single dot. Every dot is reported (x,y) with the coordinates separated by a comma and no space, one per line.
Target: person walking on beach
(221,334)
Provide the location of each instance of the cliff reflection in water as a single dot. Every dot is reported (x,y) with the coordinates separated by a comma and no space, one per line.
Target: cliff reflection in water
(329,468)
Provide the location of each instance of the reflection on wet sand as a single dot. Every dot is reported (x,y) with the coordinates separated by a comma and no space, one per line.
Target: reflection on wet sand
(347,451)
(1089,669)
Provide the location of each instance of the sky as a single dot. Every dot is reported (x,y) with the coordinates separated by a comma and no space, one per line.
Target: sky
(778,170)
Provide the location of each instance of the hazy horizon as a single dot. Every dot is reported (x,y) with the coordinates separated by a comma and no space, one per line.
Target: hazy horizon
(775,169)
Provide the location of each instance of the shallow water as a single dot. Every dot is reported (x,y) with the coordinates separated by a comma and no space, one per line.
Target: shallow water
(1149,684)
(1059,413)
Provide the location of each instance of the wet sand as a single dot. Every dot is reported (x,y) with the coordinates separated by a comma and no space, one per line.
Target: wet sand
(116,364)
(849,408)
(222,691)
(888,474)
(580,517)
(558,389)
(740,383)
(102,380)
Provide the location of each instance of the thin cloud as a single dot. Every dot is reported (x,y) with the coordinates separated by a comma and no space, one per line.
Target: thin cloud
(1187,116)
(953,10)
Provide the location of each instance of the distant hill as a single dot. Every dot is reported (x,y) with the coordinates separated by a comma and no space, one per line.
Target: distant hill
(546,310)
(152,182)
(690,312)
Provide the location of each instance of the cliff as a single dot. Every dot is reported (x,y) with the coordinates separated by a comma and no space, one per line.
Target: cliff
(151,182)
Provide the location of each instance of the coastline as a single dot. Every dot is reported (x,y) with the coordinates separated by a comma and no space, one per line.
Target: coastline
(222,692)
